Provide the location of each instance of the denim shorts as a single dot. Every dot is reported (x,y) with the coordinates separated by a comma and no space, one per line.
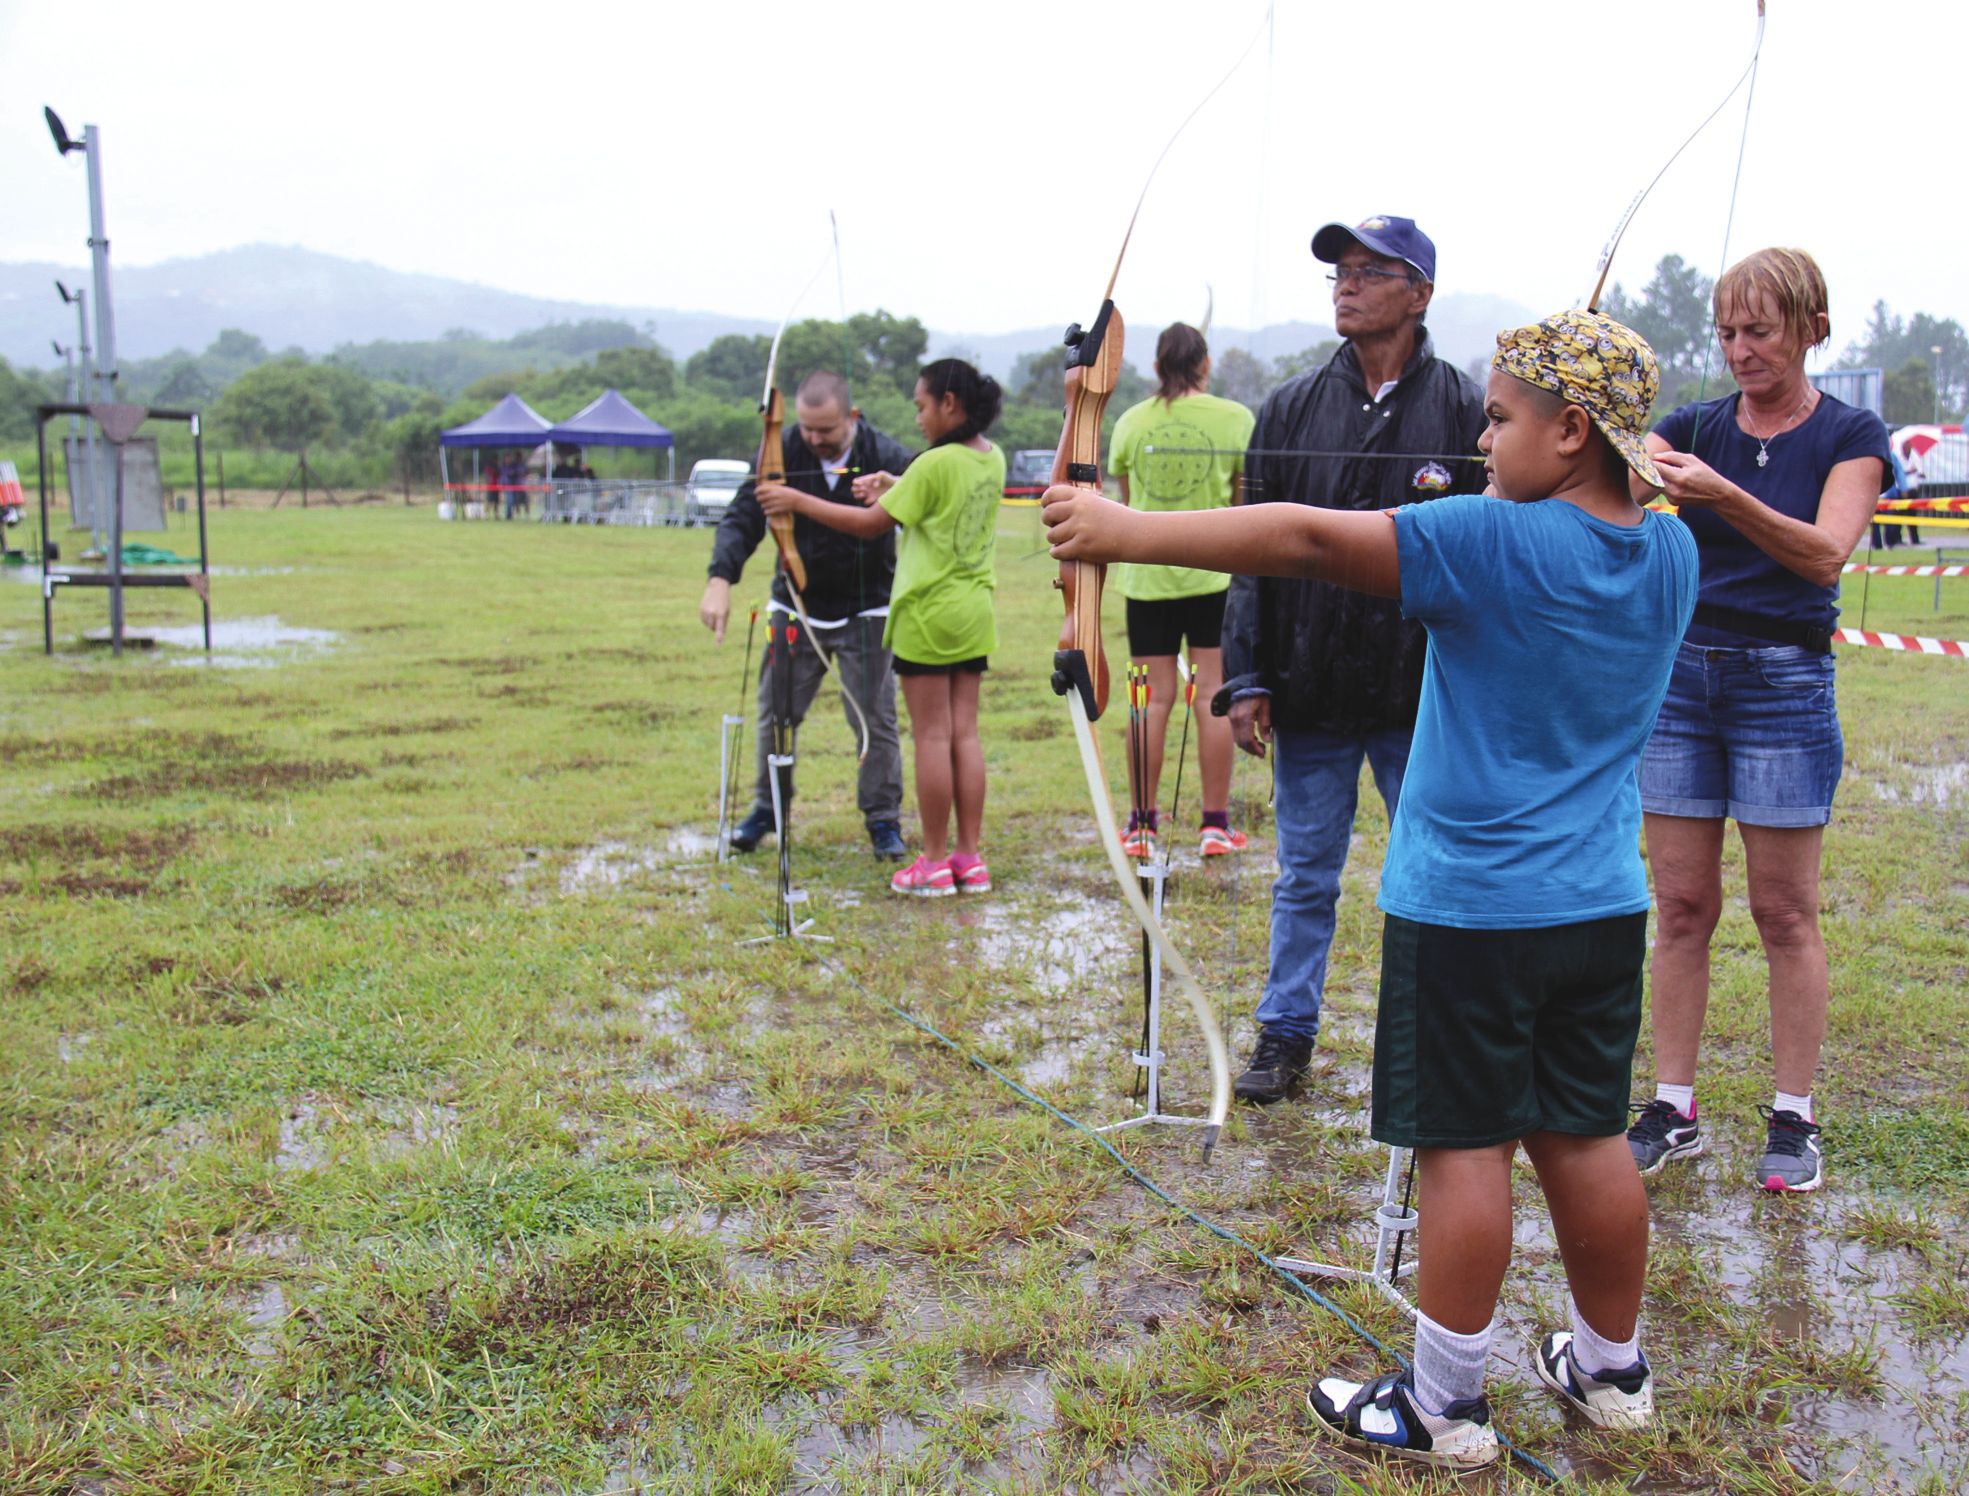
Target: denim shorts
(1751,734)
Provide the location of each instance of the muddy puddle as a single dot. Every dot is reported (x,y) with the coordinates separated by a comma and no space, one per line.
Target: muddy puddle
(1076,941)
(1926,784)
(237,643)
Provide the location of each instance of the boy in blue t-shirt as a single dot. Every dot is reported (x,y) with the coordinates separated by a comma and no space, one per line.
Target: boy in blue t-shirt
(1515,897)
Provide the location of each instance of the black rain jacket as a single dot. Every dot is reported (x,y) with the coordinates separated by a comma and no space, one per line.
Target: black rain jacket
(1339,661)
(845,576)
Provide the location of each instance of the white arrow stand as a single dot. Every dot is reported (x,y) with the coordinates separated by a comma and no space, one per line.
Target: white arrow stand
(1155,874)
(787,925)
(1392,1221)
(729,745)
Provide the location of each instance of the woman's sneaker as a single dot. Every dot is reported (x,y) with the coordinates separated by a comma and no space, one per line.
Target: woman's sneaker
(1138,842)
(925,879)
(1219,841)
(1661,1133)
(1384,1414)
(1608,1399)
(1791,1162)
(973,877)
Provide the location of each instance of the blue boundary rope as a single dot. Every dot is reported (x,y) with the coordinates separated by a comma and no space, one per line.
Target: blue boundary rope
(1313,1295)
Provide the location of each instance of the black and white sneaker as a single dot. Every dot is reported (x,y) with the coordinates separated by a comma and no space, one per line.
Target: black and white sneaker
(1623,1399)
(1791,1162)
(1383,1414)
(1660,1133)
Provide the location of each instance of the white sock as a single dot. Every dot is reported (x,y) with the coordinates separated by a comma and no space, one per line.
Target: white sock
(1593,1353)
(1682,1098)
(1448,1367)
(1801,1105)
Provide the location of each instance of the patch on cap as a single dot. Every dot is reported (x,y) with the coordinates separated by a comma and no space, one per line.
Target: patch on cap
(1374,224)
(1430,478)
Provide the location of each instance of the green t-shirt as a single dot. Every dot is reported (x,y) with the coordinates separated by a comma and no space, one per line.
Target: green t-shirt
(940,605)
(1182,455)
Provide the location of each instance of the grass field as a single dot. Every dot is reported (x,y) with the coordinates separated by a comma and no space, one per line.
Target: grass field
(388,1105)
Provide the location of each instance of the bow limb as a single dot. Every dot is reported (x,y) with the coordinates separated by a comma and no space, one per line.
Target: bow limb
(1131,888)
(1749,75)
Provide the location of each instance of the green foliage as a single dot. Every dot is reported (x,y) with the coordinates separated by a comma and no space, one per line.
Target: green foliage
(281,404)
(20,392)
(1897,345)
(1907,394)
(731,368)
(1673,314)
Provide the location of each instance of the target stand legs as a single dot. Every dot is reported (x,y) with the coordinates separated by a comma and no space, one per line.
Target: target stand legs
(1150,1057)
(1393,1222)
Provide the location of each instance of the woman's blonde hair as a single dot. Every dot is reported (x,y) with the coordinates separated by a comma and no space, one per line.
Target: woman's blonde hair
(1795,284)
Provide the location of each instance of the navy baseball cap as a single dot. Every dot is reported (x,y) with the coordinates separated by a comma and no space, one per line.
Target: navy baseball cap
(1397,238)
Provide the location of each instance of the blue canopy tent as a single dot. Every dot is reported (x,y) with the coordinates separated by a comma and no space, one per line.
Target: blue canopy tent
(510,423)
(609,420)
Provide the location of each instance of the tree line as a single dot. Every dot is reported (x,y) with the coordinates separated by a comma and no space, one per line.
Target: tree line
(370,414)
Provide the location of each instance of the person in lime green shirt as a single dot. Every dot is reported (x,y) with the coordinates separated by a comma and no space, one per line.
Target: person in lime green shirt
(941,626)
(1183,448)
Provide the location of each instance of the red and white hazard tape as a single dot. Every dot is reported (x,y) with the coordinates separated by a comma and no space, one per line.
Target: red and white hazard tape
(1929,506)
(1908,571)
(1910,643)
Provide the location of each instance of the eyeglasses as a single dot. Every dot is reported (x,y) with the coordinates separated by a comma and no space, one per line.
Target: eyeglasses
(1365,275)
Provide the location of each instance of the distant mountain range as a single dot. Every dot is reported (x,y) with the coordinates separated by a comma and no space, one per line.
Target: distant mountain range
(298,298)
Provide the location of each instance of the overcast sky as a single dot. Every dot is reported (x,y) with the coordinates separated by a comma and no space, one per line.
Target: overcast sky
(983,159)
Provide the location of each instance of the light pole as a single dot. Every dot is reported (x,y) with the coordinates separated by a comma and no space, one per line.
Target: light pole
(85,447)
(1935,353)
(102,389)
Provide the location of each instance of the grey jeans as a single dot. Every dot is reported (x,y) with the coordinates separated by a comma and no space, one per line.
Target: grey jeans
(865,669)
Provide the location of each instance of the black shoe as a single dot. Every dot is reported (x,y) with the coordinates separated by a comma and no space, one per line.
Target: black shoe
(886,838)
(1276,1065)
(749,832)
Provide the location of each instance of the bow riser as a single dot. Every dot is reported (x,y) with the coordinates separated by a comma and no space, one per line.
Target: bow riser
(772,469)
(1093,366)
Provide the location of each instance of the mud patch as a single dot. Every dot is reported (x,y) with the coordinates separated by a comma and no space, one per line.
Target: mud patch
(301,1149)
(1926,784)
(405,729)
(257,780)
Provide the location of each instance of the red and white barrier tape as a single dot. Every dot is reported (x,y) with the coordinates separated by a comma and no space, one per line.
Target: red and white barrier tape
(1910,643)
(1908,571)
(1929,506)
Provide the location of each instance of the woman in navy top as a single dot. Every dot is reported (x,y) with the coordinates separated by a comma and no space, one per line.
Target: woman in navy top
(1777,483)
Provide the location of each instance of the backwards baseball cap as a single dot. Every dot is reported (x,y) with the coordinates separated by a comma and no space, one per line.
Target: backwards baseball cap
(1397,238)
(1596,363)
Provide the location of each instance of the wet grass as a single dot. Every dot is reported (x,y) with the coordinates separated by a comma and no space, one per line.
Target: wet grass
(387,1103)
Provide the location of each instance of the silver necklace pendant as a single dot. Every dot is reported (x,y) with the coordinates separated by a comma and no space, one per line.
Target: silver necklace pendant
(1763,457)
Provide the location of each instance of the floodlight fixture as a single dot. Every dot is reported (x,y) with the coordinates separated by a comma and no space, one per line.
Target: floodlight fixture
(60,131)
(60,352)
(67,295)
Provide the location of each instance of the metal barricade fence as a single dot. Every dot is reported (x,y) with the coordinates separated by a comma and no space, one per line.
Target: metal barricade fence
(616,501)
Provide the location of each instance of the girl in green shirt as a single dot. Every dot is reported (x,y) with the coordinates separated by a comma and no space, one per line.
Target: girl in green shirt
(1181,449)
(941,626)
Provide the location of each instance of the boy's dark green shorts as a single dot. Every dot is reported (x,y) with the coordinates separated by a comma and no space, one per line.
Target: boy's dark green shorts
(1488,1035)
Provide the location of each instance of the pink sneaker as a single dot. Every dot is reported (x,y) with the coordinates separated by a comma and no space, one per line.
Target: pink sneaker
(972,877)
(926,879)
(1216,841)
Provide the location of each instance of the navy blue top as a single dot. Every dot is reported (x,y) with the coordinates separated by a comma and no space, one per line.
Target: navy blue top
(1735,573)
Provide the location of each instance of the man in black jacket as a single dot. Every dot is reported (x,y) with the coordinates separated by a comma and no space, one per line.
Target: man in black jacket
(847,601)
(1329,677)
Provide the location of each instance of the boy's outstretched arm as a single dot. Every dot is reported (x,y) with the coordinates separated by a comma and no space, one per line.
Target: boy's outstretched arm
(1351,548)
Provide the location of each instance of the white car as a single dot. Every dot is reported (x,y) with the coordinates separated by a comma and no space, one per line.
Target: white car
(711,487)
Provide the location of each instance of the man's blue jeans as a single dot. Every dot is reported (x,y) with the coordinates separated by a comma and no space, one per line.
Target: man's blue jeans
(1316,782)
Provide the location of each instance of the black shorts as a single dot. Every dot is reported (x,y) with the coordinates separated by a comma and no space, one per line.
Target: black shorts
(1488,1035)
(975,666)
(1159,627)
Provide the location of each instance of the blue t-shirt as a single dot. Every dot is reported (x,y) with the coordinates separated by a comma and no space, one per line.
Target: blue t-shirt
(1551,634)
(1735,573)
